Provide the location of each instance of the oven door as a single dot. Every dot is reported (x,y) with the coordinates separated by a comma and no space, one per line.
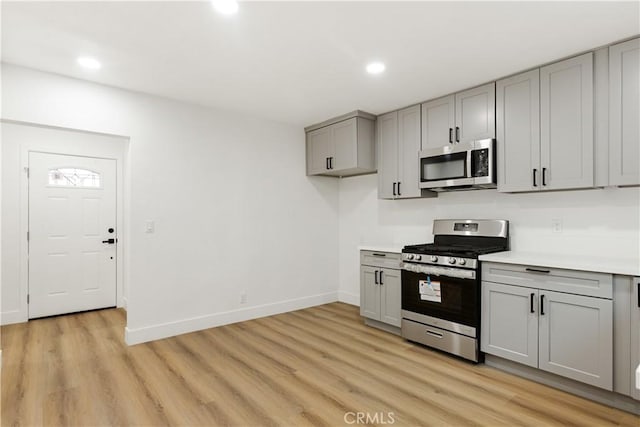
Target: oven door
(450,294)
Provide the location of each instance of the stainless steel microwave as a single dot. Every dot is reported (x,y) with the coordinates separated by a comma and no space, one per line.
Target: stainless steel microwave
(464,166)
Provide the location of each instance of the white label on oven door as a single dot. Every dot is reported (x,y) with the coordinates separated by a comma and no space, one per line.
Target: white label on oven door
(430,291)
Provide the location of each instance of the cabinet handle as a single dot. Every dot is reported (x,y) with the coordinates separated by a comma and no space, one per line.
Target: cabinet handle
(330,162)
(638,294)
(399,193)
(375,275)
(532,297)
(537,270)
(376,254)
(394,188)
(544,176)
(535,171)
(542,305)
(381,282)
(435,334)
(457,134)
(326,163)
(450,135)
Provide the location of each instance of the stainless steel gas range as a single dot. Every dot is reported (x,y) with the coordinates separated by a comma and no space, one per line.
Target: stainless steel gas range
(441,284)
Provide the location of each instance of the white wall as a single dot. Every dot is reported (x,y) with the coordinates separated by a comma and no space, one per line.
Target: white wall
(232,206)
(599,221)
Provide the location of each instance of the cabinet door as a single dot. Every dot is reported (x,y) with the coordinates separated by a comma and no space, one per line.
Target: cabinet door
(318,150)
(476,113)
(408,149)
(345,144)
(576,337)
(566,123)
(635,337)
(518,132)
(510,322)
(624,110)
(369,293)
(390,293)
(438,122)
(387,134)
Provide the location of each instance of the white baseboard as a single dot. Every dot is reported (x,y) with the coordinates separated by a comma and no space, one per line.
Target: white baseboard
(165,330)
(349,298)
(124,304)
(9,317)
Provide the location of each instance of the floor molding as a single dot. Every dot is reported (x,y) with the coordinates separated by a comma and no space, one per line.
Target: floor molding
(10,317)
(166,330)
(349,298)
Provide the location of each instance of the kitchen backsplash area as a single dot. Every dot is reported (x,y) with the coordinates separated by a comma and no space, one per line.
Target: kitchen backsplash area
(585,222)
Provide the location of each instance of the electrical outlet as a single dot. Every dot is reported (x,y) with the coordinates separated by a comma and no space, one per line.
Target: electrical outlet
(243,298)
(556,225)
(149,227)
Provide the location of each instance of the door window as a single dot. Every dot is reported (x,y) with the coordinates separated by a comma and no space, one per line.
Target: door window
(74,177)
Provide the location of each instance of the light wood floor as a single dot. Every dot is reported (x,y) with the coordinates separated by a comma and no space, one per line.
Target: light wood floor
(309,367)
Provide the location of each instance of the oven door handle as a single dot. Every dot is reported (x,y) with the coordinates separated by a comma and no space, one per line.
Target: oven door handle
(458,273)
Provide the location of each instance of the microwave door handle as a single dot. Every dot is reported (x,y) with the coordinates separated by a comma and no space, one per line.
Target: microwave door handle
(469,157)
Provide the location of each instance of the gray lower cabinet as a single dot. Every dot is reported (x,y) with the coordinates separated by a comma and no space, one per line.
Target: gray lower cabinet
(342,146)
(380,287)
(635,336)
(545,121)
(624,110)
(510,322)
(562,333)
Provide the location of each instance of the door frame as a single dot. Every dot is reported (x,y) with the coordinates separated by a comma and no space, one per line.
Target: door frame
(119,153)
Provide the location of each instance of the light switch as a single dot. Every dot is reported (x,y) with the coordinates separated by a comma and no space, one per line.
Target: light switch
(150,227)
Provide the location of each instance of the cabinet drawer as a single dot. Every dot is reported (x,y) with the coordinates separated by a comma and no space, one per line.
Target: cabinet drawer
(380,259)
(552,279)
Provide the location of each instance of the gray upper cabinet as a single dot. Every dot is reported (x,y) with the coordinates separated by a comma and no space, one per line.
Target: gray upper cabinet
(475,113)
(566,123)
(545,121)
(343,146)
(398,136)
(318,150)
(624,110)
(438,122)
(387,135)
(462,117)
(518,131)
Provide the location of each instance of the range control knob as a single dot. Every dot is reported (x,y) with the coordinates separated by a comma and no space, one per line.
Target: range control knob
(418,257)
(451,260)
(434,258)
(410,256)
(462,261)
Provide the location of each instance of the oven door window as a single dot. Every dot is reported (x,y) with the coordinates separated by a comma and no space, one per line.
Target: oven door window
(445,298)
(447,166)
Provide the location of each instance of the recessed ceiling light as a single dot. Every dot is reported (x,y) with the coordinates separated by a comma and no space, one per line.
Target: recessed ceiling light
(226,7)
(89,63)
(375,67)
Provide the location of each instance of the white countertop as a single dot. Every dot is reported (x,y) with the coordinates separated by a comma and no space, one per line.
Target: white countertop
(381,248)
(627,267)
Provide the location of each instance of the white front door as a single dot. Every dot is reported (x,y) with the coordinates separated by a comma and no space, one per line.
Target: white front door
(72,216)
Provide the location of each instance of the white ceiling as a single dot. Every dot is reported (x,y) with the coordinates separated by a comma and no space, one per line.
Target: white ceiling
(303,62)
